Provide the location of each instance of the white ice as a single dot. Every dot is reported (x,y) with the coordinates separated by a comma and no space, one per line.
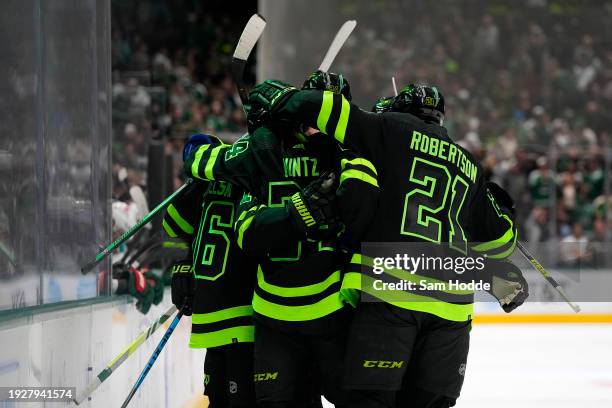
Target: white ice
(538,366)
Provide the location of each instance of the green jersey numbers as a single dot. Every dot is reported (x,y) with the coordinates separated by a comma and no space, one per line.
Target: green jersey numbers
(434,201)
(240,146)
(212,243)
(279,192)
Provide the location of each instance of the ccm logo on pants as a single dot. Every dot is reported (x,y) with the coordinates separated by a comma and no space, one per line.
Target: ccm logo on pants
(266,376)
(382,364)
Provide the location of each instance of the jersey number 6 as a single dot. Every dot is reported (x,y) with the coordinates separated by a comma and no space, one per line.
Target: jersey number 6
(212,242)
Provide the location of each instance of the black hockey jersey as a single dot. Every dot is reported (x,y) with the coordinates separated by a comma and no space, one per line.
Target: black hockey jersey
(431,189)
(298,280)
(224,275)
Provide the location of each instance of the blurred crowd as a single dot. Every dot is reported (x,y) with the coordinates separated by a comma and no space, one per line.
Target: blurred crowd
(528,90)
(170,77)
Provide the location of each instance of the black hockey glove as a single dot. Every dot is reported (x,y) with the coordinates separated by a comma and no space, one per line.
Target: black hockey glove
(502,198)
(508,285)
(264,100)
(183,286)
(314,210)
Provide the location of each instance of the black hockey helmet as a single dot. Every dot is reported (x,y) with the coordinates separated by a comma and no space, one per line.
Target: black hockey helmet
(425,102)
(383,104)
(328,81)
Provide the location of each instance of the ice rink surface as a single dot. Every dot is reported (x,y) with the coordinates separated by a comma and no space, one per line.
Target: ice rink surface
(538,366)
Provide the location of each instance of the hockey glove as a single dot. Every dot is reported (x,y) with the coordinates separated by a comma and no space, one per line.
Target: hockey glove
(502,198)
(139,284)
(314,210)
(264,99)
(183,286)
(157,285)
(508,285)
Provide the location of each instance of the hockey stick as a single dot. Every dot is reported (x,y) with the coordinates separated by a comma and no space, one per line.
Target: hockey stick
(8,253)
(251,33)
(127,234)
(153,358)
(538,266)
(133,255)
(341,36)
(394,86)
(127,352)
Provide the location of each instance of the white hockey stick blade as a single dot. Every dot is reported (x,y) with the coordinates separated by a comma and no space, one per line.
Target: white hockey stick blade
(341,36)
(251,33)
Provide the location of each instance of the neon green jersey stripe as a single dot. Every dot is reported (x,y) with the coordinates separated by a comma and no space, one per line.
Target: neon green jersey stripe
(358,161)
(239,334)
(195,166)
(317,310)
(505,253)
(169,229)
(243,227)
(325,112)
(180,221)
(308,290)
(358,175)
(496,243)
(208,170)
(342,121)
(180,245)
(224,314)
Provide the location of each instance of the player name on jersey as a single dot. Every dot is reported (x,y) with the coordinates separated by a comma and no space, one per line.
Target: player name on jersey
(302,166)
(444,150)
(220,188)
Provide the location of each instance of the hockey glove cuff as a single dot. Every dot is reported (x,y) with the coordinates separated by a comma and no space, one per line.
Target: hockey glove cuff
(314,210)
(502,198)
(183,286)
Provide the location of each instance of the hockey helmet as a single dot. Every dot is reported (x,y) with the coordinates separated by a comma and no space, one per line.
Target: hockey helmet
(328,81)
(425,102)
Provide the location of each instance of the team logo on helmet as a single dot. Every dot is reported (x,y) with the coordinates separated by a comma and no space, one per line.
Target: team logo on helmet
(425,102)
(328,81)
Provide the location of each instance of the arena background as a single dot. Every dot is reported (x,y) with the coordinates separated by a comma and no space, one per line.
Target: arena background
(98,96)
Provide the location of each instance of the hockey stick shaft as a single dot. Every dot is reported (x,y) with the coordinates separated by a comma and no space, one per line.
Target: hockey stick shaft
(153,358)
(126,235)
(341,36)
(538,266)
(249,37)
(8,253)
(120,359)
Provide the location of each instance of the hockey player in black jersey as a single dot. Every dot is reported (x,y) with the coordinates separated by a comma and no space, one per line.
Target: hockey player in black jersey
(217,282)
(431,191)
(299,312)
